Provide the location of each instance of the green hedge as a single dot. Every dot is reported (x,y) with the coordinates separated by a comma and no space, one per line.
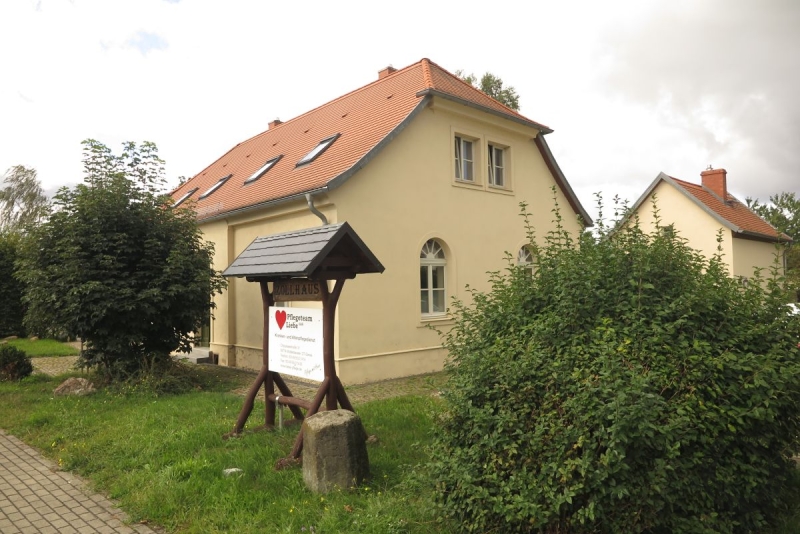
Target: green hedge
(628,385)
(14,364)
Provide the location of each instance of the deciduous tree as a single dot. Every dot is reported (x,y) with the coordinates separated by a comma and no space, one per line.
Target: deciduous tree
(493,86)
(783,212)
(116,266)
(22,200)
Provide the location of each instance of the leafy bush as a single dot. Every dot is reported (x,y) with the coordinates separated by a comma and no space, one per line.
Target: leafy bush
(627,385)
(14,364)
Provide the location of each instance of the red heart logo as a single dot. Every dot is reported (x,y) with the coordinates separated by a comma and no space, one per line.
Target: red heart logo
(280,318)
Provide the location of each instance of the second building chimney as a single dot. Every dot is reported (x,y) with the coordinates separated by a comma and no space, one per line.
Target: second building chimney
(273,124)
(385,72)
(716,180)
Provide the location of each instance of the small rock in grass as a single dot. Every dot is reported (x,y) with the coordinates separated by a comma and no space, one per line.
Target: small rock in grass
(74,386)
(231,471)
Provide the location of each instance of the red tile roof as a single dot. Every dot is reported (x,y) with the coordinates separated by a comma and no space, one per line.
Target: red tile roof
(733,211)
(363,118)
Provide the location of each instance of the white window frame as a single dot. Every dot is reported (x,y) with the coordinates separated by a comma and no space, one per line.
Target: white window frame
(525,259)
(214,187)
(185,197)
(318,150)
(263,169)
(432,255)
(460,143)
(494,168)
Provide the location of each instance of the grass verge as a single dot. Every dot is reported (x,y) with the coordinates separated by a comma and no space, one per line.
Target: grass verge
(43,347)
(163,457)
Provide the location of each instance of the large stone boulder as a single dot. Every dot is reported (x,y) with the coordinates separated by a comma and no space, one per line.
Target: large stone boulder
(74,386)
(334,451)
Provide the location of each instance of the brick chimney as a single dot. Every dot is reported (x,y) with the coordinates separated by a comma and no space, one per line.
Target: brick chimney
(716,180)
(273,124)
(385,72)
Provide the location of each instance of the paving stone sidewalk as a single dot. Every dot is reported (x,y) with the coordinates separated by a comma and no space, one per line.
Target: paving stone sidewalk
(35,497)
(54,366)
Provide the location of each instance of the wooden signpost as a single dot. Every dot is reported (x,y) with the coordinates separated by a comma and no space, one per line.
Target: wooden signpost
(299,265)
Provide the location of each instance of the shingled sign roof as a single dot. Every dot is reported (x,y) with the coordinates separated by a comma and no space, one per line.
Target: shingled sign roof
(360,123)
(324,252)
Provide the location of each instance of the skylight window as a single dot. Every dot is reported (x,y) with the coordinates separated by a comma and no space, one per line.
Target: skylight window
(319,149)
(215,186)
(184,197)
(263,170)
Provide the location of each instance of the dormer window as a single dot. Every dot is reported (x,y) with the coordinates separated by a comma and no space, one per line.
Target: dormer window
(263,170)
(215,187)
(319,149)
(184,197)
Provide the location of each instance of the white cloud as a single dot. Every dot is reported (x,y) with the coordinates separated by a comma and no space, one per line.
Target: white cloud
(631,88)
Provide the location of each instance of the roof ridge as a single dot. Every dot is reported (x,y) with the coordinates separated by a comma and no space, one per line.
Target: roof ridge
(426,72)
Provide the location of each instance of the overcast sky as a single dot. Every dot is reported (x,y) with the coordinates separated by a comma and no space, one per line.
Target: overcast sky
(631,88)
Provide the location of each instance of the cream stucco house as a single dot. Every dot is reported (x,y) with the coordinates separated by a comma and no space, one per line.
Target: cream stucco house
(426,169)
(699,211)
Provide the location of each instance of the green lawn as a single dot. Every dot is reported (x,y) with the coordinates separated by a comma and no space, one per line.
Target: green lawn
(163,457)
(44,347)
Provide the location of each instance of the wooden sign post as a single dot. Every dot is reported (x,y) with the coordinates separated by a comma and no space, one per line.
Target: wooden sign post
(331,252)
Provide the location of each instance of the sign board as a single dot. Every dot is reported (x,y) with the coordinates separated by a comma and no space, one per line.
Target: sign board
(295,342)
(301,289)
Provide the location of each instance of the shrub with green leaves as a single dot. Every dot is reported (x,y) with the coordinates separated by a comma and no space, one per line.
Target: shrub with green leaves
(627,385)
(14,364)
(116,266)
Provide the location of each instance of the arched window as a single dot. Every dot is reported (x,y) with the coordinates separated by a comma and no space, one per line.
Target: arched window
(432,263)
(525,259)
